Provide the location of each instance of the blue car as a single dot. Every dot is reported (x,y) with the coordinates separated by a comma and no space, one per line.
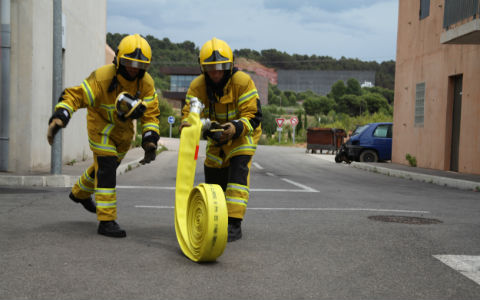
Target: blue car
(368,143)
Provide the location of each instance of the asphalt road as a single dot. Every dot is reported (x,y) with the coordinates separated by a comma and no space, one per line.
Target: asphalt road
(307,235)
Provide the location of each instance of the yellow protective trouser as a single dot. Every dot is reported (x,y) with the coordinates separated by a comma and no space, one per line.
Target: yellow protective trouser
(100,178)
(235,181)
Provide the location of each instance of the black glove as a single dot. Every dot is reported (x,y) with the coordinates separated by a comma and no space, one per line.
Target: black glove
(61,114)
(149,145)
(138,112)
(59,119)
(214,132)
(182,125)
(53,128)
(228,132)
(150,153)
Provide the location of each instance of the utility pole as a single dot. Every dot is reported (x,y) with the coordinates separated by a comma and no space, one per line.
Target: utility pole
(56,153)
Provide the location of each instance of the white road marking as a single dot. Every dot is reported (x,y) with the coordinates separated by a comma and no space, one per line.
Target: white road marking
(306,188)
(467,265)
(257,166)
(285,190)
(309,209)
(142,187)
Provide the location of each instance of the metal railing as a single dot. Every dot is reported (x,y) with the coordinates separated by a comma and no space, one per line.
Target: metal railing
(458,10)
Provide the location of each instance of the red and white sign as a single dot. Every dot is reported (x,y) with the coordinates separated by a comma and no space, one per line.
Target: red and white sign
(294,121)
(280,122)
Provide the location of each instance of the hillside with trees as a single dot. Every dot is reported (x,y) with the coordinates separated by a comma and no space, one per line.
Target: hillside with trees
(346,106)
(165,52)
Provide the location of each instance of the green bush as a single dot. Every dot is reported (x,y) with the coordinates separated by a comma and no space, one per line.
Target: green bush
(412,161)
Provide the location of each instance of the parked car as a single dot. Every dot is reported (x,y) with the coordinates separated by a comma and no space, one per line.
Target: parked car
(368,143)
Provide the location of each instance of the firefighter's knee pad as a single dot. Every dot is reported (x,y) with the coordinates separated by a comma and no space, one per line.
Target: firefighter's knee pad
(239,169)
(107,171)
(216,176)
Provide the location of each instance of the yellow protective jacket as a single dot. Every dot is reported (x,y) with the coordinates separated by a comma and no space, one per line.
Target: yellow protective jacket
(107,134)
(239,102)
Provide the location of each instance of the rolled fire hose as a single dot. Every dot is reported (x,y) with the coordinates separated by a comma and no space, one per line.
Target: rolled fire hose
(201,216)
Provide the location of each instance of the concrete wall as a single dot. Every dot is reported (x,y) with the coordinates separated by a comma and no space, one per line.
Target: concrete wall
(422,58)
(31,76)
(261,83)
(319,82)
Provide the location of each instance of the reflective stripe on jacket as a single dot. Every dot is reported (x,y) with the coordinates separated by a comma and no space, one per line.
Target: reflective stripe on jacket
(239,102)
(107,134)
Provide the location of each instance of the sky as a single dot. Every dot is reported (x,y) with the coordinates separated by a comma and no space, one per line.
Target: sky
(363,29)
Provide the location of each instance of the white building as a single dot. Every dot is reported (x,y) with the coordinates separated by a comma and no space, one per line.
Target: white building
(31,76)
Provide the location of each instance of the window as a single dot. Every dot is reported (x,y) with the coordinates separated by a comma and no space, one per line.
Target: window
(359,130)
(180,83)
(382,131)
(424,9)
(419,104)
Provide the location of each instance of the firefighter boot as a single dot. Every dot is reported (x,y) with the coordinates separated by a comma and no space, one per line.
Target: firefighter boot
(234,229)
(88,203)
(111,228)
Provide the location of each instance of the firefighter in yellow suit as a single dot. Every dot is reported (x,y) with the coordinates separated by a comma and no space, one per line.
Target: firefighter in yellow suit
(114,96)
(232,103)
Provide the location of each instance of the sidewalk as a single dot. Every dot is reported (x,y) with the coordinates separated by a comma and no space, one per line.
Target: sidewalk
(446,178)
(70,173)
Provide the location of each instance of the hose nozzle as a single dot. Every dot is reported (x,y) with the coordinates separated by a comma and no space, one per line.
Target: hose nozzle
(196,106)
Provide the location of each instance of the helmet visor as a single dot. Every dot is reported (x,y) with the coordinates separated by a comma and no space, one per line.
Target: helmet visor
(216,67)
(134,64)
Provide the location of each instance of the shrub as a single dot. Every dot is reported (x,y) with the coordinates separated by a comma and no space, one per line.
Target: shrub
(412,161)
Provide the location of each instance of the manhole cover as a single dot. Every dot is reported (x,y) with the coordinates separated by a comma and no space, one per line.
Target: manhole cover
(405,220)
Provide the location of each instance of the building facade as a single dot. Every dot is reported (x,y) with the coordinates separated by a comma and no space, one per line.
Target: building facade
(437,95)
(319,82)
(31,65)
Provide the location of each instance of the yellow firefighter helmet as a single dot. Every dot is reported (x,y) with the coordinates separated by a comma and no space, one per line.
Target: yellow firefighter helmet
(134,51)
(216,55)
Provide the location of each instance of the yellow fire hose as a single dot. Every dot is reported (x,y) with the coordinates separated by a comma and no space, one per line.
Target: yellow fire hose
(201,216)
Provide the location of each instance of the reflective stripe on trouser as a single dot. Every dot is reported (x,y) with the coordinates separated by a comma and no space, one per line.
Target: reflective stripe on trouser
(235,181)
(100,178)
(105,182)
(85,185)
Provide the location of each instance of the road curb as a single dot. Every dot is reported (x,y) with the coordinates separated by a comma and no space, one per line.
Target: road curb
(57,180)
(449,182)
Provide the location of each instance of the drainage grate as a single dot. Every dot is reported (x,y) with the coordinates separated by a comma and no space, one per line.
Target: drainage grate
(405,220)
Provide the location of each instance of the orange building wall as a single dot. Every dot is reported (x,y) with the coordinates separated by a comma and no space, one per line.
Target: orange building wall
(109,55)
(422,58)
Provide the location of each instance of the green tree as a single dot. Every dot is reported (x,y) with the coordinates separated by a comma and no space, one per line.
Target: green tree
(312,106)
(376,102)
(387,93)
(353,87)
(326,104)
(269,125)
(385,75)
(352,105)
(338,89)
